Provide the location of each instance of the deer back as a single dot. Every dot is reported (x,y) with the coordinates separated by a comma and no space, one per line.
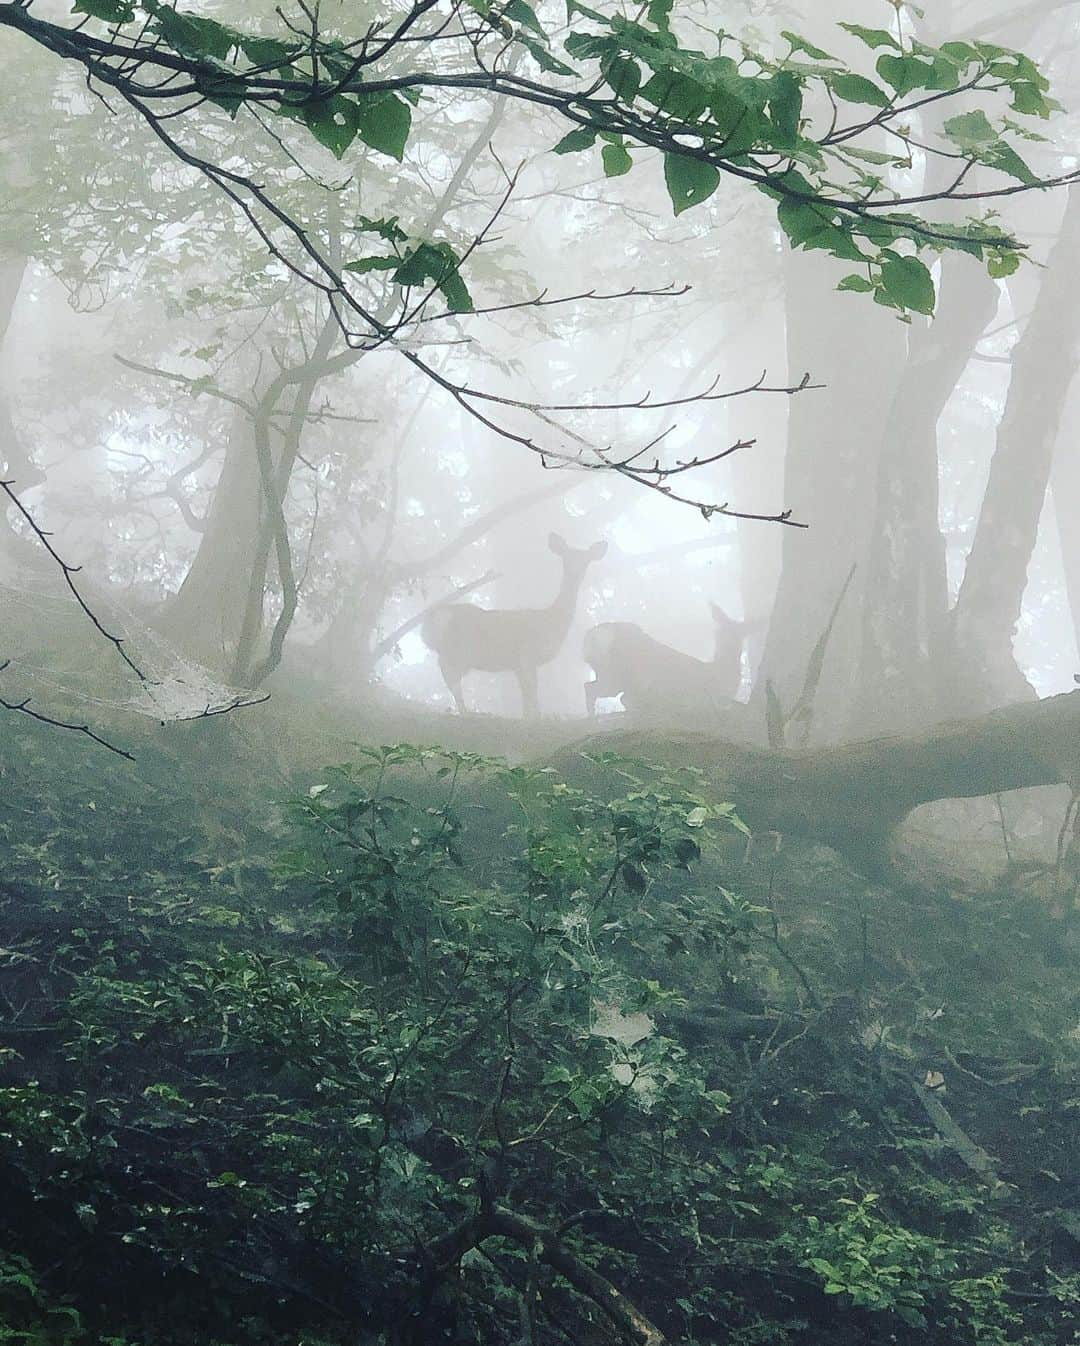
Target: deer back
(497,639)
(656,679)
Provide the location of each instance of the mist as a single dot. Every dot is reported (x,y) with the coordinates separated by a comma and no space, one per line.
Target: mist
(671,414)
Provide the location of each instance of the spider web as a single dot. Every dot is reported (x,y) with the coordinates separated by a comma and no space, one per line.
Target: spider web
(173,687)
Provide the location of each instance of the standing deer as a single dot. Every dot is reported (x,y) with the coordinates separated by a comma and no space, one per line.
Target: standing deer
(656,680)
(510,640)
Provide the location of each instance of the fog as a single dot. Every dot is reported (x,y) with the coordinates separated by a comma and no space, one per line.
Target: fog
(327,423)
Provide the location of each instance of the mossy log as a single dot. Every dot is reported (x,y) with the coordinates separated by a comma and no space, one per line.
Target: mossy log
(853,795)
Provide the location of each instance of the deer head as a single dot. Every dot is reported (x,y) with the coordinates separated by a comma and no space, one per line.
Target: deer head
(512,640)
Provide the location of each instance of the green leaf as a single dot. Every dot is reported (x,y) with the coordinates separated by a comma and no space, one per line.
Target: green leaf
(677,95)
(111,11)
(584,138)
(659,13)
(811,225)
(386,228)
(858,89)
(962,53)
(384,122)
(365,264)
(858,284)
(332,122)
(1032,102)
(543,57)
(973,133)
(616,160)
(623,76)
(520,12)
(873,37)
(798,43)
(438,264)
(689,181)
(908,283)
(905,73)
(226,93)
(1003,264)
(971,130)
(268,51)
(589,46)
(785,107)
(192,35)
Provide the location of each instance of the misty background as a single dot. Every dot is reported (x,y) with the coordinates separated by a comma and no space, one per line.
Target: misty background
(145,329)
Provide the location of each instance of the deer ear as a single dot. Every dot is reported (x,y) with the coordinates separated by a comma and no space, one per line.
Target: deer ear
(597,550)
(557,545)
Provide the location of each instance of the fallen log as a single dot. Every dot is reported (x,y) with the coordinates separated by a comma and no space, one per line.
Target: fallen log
(854,795)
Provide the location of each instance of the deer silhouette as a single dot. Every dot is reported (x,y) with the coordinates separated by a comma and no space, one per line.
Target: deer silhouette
(509,640)
(658,681)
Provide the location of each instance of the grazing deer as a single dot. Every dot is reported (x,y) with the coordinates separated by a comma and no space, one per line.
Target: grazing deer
(656,680)
(510,640)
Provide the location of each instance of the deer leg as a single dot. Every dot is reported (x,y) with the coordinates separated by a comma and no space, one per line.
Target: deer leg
(601,687)
(530,700)
(452,677)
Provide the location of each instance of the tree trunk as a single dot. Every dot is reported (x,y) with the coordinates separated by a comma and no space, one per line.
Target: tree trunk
(905,658)
(856,350)
(1043,363)
(204,618)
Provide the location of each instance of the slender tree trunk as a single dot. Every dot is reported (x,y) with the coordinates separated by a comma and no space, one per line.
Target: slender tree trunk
(1044,360)
(15,461)
(1065,484)
(905,610)
(856,350)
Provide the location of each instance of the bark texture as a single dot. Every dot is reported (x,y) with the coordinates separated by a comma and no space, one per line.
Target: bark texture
(1043,365)
(854,795)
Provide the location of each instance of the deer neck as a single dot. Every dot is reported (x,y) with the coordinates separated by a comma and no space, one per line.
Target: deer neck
(558,615)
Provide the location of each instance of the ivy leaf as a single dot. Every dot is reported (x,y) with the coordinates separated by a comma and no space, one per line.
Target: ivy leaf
(616,160)
(858,89)
(689,181)
(384,122)
(908,283)
(584,138)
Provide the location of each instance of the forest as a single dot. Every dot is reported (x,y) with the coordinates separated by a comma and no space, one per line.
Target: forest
(539,673)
